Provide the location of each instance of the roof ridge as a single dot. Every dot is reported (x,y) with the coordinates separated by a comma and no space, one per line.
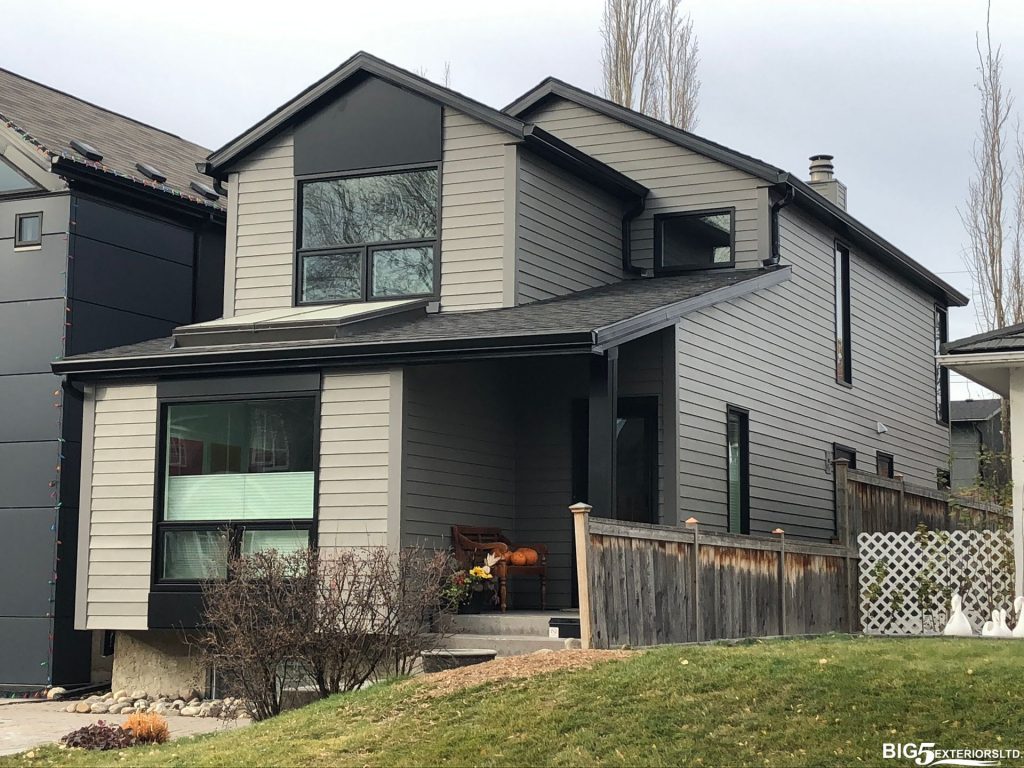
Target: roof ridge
(99,107)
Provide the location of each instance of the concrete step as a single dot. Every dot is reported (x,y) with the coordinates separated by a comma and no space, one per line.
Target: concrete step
(505,645)
(525,623)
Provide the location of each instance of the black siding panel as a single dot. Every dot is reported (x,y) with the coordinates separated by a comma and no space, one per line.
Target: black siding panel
(94,327)
(209,278)
(27,409)
(134,231)
(33,274)
(370,125)
(26,470)
(26,648)
(31,335)
(26,564)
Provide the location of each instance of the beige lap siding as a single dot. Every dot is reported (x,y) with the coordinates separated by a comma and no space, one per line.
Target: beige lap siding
(360,459)
(261,226)
(472,215)
(116,522)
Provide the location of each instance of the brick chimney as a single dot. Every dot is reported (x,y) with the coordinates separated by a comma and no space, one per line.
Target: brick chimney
(824,182)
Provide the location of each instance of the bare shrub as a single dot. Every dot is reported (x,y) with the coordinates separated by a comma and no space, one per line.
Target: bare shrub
(335,619)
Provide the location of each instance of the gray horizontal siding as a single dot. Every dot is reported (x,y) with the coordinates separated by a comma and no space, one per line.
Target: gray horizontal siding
(772,352)
(679,180)
(569,232)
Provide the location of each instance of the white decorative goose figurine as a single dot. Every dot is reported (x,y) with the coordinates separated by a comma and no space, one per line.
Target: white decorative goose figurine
(1018,608)
(1002,629)
(958,625)
(988,629)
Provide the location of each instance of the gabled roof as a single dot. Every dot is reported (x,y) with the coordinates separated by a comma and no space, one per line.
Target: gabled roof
(825,210)
(1007,339)
(47,120)
(974,410)
(584,323)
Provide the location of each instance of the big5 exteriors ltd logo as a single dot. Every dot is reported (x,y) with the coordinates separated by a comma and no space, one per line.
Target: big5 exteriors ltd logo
(925,753)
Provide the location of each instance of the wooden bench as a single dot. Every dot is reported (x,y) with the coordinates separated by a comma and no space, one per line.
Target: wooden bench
(473,543)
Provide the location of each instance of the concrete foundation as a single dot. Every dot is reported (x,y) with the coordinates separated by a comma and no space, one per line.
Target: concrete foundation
(158,662)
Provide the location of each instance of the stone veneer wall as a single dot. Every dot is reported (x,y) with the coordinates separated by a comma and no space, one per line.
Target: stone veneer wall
(158,662)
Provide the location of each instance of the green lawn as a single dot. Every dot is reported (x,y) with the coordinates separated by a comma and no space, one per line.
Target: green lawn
(827,701)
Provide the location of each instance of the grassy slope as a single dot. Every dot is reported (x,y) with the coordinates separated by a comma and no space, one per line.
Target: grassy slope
(770,703)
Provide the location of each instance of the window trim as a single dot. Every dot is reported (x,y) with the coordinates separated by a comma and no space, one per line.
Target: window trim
(234,528)
(659,218)
(20,244)
(940,327)
(836,447)
(364,249)
(890,459)
(744,423)
(841,271)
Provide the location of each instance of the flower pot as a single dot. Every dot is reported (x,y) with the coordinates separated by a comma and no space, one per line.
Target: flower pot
(478,601)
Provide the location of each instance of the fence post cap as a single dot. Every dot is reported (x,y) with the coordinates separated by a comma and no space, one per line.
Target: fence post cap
(691,521)
(579,508)
(841,462)
(778,532)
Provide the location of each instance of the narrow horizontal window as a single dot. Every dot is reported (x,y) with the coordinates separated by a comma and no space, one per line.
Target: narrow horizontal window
(689,241)
(368,237)
(28,229)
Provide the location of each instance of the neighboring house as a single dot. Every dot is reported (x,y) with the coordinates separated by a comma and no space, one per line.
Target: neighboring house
(437,313)
(103,241)
(975,440)
(996,360)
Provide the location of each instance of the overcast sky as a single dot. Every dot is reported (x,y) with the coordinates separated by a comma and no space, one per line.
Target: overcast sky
(887,86)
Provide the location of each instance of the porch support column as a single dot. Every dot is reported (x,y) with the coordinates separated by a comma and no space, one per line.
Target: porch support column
(1017,472)
(604,395)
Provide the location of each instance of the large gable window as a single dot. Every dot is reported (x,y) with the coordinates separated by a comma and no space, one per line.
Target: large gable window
(12,180)
(692,241)
(368,237)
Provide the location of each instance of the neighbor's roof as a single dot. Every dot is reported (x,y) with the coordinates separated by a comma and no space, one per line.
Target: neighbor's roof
(585,322)
(807,198)
(974,410)
(48,119)
(1009,339)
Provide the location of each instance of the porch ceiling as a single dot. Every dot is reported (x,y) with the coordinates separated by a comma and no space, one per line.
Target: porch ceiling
(590,321)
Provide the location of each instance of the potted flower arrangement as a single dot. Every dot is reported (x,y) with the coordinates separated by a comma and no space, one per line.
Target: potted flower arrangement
(472,589)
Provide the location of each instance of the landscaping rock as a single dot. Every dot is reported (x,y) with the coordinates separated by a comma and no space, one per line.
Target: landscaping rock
(187,694)
(71,707)
(99,708)
(189,711)
(121,694)
(56,693)
(141,703)
(116,709)
(160,708)
(195,701)
(83,707)
(136,695)
(178,704)
(125,700)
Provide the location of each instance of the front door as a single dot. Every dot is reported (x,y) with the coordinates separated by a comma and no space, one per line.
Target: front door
(636,459)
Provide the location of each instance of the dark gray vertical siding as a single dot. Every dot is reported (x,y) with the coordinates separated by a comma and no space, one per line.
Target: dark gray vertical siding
(569,233)
(32,290)
(459,462)
(772,352)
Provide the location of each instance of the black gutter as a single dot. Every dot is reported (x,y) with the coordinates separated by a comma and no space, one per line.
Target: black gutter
(323,356)
(773,218)
(585,166)
(74,170)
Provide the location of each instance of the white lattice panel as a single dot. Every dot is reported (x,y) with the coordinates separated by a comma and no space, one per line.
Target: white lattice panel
(907,579)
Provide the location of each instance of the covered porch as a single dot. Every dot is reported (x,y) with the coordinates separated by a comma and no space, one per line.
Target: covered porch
(511,443)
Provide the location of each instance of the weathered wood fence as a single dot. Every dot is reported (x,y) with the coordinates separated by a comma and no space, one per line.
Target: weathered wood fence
(651,584)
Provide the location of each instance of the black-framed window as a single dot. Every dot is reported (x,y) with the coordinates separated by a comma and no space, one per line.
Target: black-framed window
(12,180)
(843,357)
(845,452)
(366,237)
(941,329)
(738,469)
(238,476)
(28,229)
(884,465)
(694,240)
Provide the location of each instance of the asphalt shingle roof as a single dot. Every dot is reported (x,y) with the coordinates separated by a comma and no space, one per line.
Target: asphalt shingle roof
(1000,340)
(49,119)
(582,312)
(974,410)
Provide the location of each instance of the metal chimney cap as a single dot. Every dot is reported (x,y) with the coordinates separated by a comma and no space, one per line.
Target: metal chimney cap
(821,168)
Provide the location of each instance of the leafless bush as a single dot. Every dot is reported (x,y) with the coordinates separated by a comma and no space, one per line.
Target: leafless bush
(336,619)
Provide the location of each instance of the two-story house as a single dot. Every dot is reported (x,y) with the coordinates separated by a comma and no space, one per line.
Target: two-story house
(108,235)
(438,313)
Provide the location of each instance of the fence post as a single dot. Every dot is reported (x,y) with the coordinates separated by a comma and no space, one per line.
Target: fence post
(581,530)
(698,628)
(782,579)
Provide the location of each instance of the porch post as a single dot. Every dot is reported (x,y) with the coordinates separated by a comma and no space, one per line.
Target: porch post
(604,394)
(581,526)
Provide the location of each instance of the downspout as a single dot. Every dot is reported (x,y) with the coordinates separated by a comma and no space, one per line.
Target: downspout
(776,255)
(632,211)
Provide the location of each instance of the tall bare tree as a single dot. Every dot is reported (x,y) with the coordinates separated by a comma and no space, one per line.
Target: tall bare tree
(650,58)
(993,254)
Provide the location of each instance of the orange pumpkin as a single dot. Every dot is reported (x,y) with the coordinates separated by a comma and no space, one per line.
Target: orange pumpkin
(531,555)
(517,558)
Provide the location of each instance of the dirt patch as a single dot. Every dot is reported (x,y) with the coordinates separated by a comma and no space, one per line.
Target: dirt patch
(507,668)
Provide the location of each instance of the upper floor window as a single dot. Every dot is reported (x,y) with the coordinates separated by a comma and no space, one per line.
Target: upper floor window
(28,230)
(844,359)
(368,237)
(941,373)
(12,180)
(690,241)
